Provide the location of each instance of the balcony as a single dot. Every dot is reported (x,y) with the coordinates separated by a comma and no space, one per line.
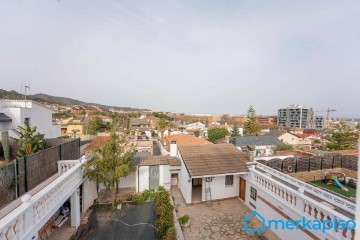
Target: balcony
(25,221)
(303,199)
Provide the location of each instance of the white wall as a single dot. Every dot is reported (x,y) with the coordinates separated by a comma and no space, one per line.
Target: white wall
(185,185)
(40,117)
(89,194)
(143,178)
(16,115)
(268,213)
(165,176)
(219,190)
(129,181)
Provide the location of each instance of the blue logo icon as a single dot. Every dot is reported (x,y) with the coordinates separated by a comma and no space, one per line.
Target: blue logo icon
(254,230)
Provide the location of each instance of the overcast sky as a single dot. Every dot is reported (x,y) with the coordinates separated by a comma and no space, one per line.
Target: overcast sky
(186,56)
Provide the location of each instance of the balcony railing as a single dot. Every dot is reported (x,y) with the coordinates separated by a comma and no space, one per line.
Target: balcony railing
(25,221)
(299,203)
(331,198)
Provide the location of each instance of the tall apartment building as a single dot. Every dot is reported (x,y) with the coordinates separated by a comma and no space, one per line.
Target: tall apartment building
(300,117)
(318,122)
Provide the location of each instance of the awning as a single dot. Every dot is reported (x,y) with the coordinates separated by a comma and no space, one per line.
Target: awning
(4,118)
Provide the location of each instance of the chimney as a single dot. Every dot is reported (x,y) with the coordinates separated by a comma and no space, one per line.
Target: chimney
(169,133)
(173,148)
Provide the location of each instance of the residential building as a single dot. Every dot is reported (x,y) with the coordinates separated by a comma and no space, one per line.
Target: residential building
(266,120)
(137,124)
(77,124)
(14,113)
(209,172)
(185,140)
(260,145)
(318,122)
(289,138)
(295,116)
(196,126)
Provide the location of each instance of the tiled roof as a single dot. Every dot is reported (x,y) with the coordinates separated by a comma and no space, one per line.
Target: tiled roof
(136,121)
(275,132)
(185,140)
(96,142)
(213,159)
(159,160)
(256,140)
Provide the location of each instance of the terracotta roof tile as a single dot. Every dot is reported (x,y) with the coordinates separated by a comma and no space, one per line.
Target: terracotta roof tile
(96,142)
(213,159)
(159,160)
(186,140)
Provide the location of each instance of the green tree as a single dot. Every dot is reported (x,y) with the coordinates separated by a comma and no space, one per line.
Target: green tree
(341,138)
(250,126)
(281,146)
(196,133)
(235,132)
(215,134)
(161,126)
(95,124)
(112,160)
(29,140)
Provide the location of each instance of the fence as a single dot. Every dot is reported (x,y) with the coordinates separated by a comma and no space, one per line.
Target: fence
(26,173)
(307,164)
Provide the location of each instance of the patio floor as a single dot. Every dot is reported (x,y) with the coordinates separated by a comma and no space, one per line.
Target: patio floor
(218,220)
(130,223)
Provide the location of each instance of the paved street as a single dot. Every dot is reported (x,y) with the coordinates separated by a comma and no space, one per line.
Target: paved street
(219,220)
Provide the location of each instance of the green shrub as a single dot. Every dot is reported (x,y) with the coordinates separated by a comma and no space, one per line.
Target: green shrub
(184,219)
(165,211)
(170,234)
(95,205)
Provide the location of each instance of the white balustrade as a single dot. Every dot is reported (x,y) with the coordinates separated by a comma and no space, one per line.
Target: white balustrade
(298,202)
(25,221)
(325,195)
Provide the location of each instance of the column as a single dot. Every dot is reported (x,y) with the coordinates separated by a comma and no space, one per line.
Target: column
(75,208)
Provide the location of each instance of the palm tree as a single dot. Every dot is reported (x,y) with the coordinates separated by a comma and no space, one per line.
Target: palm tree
(161,126)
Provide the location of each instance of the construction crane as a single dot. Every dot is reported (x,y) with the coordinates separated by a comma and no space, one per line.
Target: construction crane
(328,110)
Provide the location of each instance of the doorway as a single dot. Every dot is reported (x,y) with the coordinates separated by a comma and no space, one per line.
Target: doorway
(153,177)
(196,190)
(242,189)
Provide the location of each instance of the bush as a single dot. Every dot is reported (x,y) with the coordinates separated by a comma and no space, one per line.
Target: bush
(95,205)
(140,198)
(165,212)
(184,219)
(170,234)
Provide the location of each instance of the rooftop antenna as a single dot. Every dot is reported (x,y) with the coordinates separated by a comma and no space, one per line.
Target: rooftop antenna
(26,87)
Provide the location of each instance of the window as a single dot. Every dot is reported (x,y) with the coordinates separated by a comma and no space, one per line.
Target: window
(253,193)
(229,180)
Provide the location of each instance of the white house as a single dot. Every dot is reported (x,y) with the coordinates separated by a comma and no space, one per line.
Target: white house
(14,113)
(203,172)
(261,145)
(209,172)
(195,126)
(155,171)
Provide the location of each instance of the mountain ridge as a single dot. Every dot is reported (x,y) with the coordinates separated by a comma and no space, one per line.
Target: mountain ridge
(49,99)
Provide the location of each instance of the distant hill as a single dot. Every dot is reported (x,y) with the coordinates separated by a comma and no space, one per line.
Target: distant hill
(48,99)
